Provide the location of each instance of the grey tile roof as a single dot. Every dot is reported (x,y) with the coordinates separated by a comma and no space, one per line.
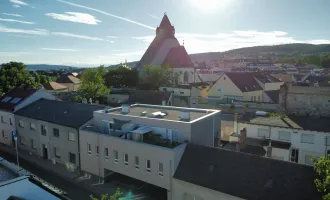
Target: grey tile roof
(60,112)
(245,175)
(18,92)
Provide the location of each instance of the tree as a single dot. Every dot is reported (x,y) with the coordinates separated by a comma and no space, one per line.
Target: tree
(122,77)
(92,84)
(14,74)
(322,182)
(115,196)
(154,77)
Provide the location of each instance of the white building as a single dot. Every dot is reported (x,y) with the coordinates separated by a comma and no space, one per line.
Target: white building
(295,139)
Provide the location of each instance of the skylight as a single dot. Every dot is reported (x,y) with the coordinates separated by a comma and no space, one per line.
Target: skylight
(6,99)
(15,100)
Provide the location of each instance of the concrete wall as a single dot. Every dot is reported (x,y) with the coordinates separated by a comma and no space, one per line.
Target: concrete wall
(115,98)
(7,128)
(94,164)
(317,149)
(302,100)
(181,188)
(62,144)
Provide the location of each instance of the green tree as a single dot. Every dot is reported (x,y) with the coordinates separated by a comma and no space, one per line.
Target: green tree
(153,77)
(92,84)
(14,74)
(322,182)
(122,77)
(115,196)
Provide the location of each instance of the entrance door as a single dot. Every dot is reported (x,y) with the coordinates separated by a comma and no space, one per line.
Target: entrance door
(294,155)
(45,152)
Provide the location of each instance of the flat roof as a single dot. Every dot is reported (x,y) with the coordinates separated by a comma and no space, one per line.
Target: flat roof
(171,113)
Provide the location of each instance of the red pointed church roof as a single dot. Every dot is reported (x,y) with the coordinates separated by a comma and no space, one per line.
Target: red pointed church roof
(178,57)
(165,22)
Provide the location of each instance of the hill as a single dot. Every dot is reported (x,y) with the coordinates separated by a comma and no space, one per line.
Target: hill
(284,50)
(47,67)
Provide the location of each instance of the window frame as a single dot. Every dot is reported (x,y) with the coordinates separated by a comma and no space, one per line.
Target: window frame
(160,169)
(21,123)
(126,161)
(72,134)
(57,135)
(106,153)
(115,156)
(148,169)
(264,136)
(31,128)
(33,144)
(89,148)
(136,162)
(304,134)
(97,150)
(43,130)
(74,158)
(279,138)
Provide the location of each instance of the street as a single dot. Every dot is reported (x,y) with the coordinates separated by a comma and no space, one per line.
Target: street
(74,191)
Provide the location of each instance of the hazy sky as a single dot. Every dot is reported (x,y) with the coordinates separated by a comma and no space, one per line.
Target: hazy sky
(94,32)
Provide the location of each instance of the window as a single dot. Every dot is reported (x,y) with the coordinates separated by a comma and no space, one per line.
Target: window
(97,150)
(15,100)
(72,137)
(33,144)
(89,148)
(263,133)
(175,135)
(10,121)
(106,153)
(294,155)
(72,158)
(148,165)
(43,130)
(224,78)
(22,140)
(258,98)
(57,153)
(56,132)
(3,133)
(251,98)
(136,162)
(2,120)
(254,98)
(282,135)
(126,158)
(115,155)
(32,126)
(21,123)
(6,99)
(307,138)
(160,169)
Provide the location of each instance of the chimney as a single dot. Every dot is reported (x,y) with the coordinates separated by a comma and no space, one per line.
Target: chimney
(242,138)
(269,149)
(184,115)
(125,108)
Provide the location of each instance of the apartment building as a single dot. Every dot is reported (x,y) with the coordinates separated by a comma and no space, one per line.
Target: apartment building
(12,101)
(144,142)
(294,138)
(49,129)
(209,173)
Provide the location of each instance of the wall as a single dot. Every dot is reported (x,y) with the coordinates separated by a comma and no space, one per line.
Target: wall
(224,87)
(301,100)
(191,76)
(181,188)
(63,144)
(316,149)
(270,86)
(94,164)
(258,94)
(7,128)
(115,98)
(41,93)
(163,51)
(177,91)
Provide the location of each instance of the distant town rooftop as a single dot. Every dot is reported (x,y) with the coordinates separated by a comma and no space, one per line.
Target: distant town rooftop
(163,112)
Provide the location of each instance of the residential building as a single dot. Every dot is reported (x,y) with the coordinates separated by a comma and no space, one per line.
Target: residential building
(165,49)
(268,82)
(294,138)
(286,78)
(303,99)
(144,142)
(71,82)
(54,87)
(208,173)
(50,129)
(12,101)
(26,187)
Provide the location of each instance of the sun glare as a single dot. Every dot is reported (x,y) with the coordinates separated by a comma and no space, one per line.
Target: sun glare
(208,5)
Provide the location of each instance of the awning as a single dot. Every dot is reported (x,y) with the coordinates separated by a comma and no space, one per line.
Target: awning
(142,130)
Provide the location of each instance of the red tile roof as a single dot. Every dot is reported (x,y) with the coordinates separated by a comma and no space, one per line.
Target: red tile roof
(178,57)
(54,86)
(21,93)
(68,79)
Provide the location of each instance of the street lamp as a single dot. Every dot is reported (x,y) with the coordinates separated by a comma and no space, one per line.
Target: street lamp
(15,139)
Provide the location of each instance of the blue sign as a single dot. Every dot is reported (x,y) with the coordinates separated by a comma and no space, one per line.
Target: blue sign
(14,135)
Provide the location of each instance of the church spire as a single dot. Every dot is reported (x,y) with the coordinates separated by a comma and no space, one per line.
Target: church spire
(165,28)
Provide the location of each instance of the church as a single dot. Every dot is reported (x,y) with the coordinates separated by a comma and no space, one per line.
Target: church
(165,49)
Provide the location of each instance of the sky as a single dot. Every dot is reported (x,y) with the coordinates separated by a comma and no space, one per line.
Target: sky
(95,32)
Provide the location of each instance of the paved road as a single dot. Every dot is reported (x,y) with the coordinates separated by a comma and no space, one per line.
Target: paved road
(74,191)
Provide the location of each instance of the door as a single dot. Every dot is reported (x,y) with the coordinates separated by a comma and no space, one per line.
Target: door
(294,155)
(45,152)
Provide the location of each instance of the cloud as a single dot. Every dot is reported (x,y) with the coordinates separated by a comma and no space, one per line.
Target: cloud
(23,31)
(54,49)
(108,14)
(113,37)
(111,41)
(197,43)
(16,21)
(75,17)
(153,16)
(11,54)
(13,15)
(19,3)
(77,36)
(128,54)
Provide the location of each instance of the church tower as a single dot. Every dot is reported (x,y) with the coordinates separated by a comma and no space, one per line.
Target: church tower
(165,29)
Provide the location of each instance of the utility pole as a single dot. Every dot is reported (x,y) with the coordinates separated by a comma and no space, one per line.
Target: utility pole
(15,139)
(326,147)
